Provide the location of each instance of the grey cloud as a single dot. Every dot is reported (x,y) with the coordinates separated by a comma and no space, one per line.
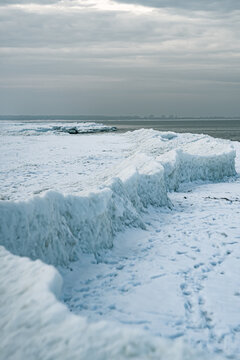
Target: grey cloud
(217,5)
(66,29)
(20,2)
(92,61)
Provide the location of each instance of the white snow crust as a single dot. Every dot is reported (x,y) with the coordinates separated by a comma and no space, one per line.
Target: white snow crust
(111,181)
(35,325)
(56,228)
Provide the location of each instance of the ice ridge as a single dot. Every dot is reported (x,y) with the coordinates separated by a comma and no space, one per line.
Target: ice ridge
(56,228)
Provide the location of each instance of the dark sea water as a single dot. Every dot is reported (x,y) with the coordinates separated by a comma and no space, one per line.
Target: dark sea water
(225,128)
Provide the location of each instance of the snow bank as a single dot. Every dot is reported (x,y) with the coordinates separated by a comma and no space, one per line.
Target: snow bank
(35,325)
(57,228)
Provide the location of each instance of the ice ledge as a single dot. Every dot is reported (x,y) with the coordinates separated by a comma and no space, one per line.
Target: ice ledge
(57,228)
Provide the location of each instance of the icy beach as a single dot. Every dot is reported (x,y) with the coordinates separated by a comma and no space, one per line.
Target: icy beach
(118,245)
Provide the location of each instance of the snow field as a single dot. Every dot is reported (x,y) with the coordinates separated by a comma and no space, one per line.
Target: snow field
(178,279)
(35,325)
(84,216)
(57,228)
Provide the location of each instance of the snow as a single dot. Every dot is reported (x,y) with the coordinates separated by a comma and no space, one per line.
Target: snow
(65,163)
(41,128)
(35,325)
(179,278)
(56,228)
(130,250)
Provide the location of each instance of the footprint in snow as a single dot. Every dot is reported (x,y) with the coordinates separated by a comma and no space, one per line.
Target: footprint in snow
(119,267)
(157,276)
(183,286)
(201,300)
(196,266)
(187,293)
(181,252)
(213,263)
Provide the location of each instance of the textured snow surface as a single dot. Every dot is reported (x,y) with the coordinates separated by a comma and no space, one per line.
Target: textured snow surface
(179,278)
(66,198)
(57,227)
(35,325)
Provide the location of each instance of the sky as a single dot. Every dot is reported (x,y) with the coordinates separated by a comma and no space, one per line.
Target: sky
(120,57)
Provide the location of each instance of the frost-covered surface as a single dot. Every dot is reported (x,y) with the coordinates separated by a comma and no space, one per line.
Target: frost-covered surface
(68,164)
(179,278)
(35,325)
(75,164)
(66,198)
(57,227)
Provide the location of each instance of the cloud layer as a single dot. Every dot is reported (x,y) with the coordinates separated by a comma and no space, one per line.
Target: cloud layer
(207,5)
(119,57)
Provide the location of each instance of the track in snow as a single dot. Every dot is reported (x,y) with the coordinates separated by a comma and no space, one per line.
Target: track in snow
(179,278)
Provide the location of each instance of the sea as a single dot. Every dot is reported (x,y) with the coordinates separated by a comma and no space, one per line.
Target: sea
(218,127)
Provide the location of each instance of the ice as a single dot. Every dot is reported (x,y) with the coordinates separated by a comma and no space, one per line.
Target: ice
(190,165)
(178,279)
(35,325)
(57,228)
(67,164)
(58,128)
(101,208)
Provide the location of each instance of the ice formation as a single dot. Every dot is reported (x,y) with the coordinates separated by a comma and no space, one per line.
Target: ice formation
(41,128)
(38,326)
(56,228)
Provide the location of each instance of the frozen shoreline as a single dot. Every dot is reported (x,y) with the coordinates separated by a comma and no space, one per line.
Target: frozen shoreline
(58,228)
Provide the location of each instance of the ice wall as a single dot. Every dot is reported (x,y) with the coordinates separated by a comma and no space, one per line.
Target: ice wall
(184,167)
(57,228)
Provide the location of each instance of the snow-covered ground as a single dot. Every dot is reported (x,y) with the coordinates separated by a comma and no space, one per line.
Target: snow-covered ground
(143,228)
(53,160)
(178,278)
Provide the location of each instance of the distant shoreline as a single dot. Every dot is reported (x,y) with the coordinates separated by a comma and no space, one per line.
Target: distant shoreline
(114,118)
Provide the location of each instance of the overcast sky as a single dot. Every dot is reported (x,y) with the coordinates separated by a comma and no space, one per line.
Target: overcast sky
(120,57)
